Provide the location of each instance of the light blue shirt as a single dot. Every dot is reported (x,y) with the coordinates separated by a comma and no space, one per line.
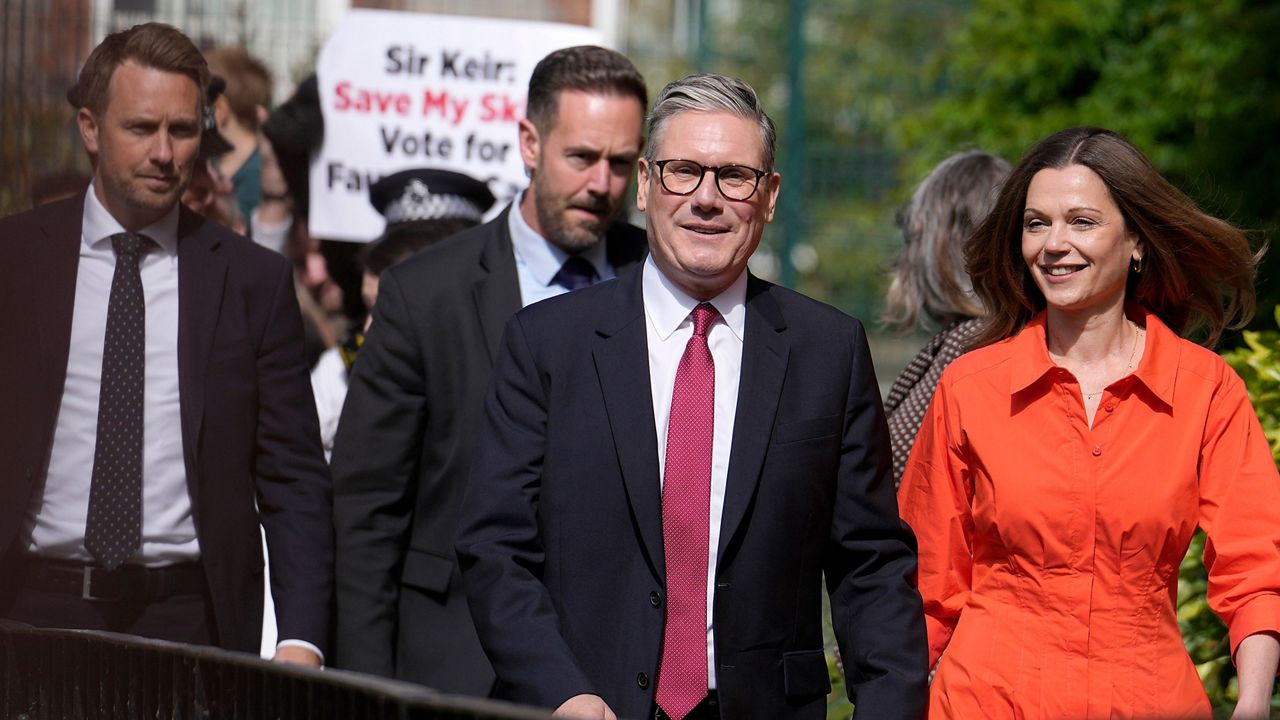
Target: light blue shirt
(537,260)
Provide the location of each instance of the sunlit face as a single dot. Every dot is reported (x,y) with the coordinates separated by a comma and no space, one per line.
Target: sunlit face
(702,241)
(145,141)
(580,166)
(1075,241)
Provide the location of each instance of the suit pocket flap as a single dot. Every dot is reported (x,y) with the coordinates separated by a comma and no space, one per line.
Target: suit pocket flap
(804,674)
(427,571)
(812,429)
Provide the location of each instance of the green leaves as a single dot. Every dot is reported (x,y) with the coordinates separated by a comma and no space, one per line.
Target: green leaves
(1258,363)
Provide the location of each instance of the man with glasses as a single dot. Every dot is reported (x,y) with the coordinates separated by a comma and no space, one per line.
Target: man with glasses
(672,462)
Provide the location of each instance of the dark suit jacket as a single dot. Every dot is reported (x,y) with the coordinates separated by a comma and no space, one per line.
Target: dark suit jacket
(249,429)
(561,535)
(403,453)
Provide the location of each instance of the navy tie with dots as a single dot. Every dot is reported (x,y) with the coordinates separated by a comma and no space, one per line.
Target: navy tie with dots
(576,272)
(113,531)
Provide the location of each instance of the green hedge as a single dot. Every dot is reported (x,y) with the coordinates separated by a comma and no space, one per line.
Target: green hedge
(1258,363)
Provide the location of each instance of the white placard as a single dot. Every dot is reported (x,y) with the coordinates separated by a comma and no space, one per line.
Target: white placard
(401,90)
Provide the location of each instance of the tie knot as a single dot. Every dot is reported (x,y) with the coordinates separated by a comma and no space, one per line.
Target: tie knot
(577,272)
(129,246)
(703,315)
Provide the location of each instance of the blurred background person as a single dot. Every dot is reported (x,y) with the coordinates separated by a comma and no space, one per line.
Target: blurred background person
(329,295)
(210,193)
(1062,468)
(930,287)
(421,206)
(238,112)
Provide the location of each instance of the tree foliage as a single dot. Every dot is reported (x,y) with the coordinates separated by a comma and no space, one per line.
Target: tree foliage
(1195,85)
(1258,363)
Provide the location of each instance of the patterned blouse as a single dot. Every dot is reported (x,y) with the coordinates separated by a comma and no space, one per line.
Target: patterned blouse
(913,389)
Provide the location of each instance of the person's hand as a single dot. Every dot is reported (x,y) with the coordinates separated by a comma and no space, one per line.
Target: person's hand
(295,655)
(585,707)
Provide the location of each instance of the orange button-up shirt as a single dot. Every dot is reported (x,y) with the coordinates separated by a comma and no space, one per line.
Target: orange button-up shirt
(1049,549)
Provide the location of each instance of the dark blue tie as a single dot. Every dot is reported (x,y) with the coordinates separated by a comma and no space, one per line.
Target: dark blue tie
(113,531)
(576,272)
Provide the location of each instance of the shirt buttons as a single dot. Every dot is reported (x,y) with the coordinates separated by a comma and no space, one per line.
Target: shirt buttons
(642,680)
(1097,450)
(1110,406)
(655,599)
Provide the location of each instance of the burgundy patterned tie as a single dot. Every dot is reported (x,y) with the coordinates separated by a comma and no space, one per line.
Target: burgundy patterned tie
(113,530)
(686,499)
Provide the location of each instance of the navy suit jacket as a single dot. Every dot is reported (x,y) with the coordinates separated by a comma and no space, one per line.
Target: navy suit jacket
(561,545)
(403,454)
(250,438)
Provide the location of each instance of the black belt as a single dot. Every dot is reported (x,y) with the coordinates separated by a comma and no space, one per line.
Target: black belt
(708,707)
(127,582)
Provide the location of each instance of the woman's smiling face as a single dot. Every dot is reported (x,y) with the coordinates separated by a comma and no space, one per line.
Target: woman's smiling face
(1075,241)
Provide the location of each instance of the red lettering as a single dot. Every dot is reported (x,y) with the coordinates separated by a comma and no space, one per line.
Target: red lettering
(500,108)
(344,102)
(360,100)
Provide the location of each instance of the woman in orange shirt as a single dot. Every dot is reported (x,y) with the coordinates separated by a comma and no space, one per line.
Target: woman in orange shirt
(1063,467)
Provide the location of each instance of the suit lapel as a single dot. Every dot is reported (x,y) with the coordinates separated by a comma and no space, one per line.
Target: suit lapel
(765,353)
(201,274)
(622,364)
(55,261)
(497,292)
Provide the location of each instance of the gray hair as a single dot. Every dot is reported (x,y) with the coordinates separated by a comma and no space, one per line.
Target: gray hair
(705,92)
(929,277)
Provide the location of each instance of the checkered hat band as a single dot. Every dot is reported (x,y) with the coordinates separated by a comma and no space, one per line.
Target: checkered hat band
(431,207)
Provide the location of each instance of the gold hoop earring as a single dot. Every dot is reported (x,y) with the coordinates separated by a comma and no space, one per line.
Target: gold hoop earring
(1136,265)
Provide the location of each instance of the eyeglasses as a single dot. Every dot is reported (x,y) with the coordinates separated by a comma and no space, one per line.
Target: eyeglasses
(682,177)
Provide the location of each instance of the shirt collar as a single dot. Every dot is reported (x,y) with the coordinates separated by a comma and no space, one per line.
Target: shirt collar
(668,306)
(540,257)
(98,225)
(1157,370)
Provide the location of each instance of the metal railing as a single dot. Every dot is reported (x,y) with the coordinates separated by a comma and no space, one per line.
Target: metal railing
(86,675)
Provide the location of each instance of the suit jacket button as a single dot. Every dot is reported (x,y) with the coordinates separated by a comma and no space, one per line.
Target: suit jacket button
(655,599)
(642,680)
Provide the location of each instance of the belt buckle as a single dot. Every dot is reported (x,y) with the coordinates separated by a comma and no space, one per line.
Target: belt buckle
(86,584)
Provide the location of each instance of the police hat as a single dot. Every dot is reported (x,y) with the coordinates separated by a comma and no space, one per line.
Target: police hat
(430,194)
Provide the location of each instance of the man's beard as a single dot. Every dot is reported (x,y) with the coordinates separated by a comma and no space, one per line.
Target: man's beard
(573,238)
(137,196)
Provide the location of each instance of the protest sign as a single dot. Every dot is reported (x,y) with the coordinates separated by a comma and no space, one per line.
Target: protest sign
(401,90)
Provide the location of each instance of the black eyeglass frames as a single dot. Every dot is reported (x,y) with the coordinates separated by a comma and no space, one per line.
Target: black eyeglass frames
(682,177)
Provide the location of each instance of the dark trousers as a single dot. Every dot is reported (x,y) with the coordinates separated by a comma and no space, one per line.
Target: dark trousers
(184,616)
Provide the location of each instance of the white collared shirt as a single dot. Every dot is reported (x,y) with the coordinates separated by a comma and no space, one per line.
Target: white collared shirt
(538,260)
(55,522)
(668,328)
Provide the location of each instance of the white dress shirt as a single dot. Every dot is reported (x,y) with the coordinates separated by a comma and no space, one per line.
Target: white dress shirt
(55,523)
(329,383)
(668,329)
(538,261)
